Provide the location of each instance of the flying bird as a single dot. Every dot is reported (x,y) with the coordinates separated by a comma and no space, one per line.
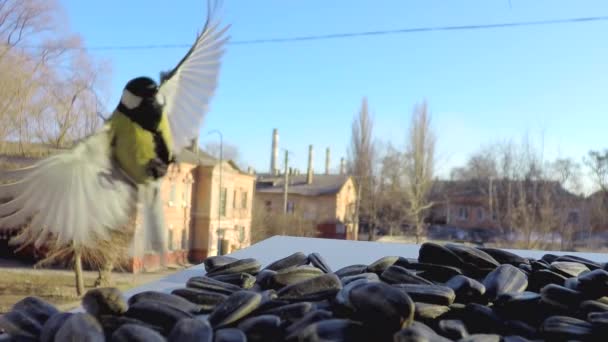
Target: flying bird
(78,197)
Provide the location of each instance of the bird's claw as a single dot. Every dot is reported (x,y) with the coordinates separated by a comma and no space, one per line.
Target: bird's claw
(156,168)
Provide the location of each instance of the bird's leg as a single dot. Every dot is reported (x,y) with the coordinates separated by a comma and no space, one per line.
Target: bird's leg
(78,272)
(105,273)
(157,168)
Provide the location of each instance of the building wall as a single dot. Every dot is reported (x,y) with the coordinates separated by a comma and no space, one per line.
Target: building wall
(177,199)
(201,213)
(464,213)
(471,216)
(191,202)
(329,211)
(346,201)
(235,221)
(473,212)
(317,208)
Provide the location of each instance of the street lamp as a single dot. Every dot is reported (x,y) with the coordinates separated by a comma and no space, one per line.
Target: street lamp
(219,207)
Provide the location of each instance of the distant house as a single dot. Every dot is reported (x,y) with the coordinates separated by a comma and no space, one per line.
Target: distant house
(192,204)
(329,200)
(482,204)
(462,204)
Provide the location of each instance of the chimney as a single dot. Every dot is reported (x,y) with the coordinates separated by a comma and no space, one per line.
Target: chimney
(250,170)
(327,161)
(274,156)
(194,145)
(310,172)
(342,166)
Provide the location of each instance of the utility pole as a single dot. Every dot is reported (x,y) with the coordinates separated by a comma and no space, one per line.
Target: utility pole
(358,204)
(490,204)
(219,207)
(286,185)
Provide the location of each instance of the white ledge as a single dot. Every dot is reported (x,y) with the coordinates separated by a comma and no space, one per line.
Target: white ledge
(337,253)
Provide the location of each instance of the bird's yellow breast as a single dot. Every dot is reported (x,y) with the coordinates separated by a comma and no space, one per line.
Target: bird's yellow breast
(134,146)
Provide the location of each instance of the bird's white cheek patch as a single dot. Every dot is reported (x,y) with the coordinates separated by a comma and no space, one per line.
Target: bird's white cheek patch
(130,100)
(160,99)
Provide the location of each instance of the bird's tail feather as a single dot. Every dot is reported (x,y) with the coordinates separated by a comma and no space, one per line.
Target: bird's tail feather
(153,221)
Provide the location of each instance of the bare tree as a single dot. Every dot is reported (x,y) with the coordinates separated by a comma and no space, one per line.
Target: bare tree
(391,193)
(481,171)
(72,107)
(571,208)
(567,172)
(49,85)
(598,215)
(419,160)
(597,162)
(229,151)
(481,165)
(361,155)
(265,224)
(21,21)
(534,200)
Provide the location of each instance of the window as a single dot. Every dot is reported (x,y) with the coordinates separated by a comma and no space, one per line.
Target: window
(463,213)
(494,216)
(573,217)
(268,205)
(234,199)
(479,214)
(291,207)
(184,238)
(223,196)
(244,199)
(340,229)
(172,193)
(241,231)
(186,194)
(170,239)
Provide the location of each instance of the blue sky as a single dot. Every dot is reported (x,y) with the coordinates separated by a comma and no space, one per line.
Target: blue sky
(481,85)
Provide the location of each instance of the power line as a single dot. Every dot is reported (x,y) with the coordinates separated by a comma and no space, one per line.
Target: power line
(360,34)
(423,29)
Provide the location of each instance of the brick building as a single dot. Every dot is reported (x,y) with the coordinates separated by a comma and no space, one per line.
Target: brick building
(216,215)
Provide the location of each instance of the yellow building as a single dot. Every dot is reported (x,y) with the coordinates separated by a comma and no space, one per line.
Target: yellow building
(214,216)
(328,200)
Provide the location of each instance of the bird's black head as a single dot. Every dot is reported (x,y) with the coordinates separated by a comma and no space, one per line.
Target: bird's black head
(142,87)
(140,104)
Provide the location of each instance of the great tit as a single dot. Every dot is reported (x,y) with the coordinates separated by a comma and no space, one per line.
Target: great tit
(79,196)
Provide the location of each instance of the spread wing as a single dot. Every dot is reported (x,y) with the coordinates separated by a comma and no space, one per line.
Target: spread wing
(74,197)
(187,89)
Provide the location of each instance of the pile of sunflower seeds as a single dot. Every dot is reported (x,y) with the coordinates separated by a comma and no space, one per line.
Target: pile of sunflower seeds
(450,293)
